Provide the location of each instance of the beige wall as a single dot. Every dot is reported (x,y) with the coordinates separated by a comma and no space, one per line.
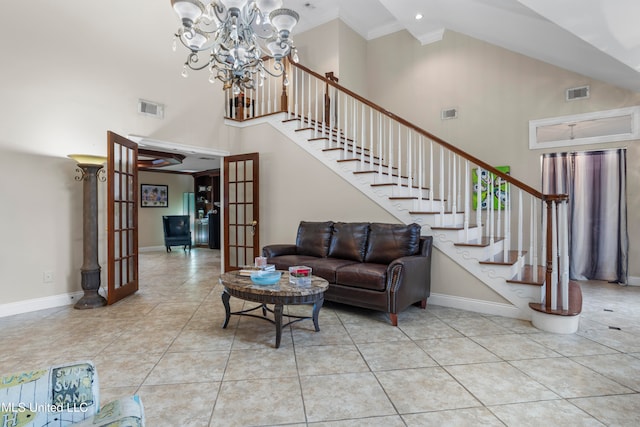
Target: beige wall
(335,47)
(352,60)
(150,232)
(295,187)
(496,92)
(318,48)
(41,225)
(62,100)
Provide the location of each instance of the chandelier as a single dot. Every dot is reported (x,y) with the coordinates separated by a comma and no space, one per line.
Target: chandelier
(236,34)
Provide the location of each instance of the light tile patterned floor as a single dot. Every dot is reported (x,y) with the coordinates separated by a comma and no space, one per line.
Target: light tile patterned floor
(441,366)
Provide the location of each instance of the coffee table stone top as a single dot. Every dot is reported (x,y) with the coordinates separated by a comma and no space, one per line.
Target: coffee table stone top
(234,281)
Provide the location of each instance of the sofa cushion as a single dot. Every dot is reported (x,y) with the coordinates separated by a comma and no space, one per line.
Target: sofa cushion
(327,267)
(363,275)
(349,240)
(313,238)
(283,262)
(391,241)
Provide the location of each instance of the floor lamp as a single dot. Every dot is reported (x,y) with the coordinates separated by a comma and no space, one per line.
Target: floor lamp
(89,167)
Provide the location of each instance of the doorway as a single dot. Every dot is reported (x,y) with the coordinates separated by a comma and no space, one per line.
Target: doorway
(193,161)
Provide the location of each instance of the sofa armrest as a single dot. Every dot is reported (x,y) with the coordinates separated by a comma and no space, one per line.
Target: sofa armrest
(409,279)
(271,251)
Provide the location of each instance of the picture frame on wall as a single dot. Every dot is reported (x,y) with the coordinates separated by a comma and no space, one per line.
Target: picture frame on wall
(154,196)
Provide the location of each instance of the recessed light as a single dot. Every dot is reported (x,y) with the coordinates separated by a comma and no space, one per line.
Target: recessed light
(418,16)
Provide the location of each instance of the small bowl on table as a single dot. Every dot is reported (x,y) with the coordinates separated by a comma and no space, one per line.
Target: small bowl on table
(260,277)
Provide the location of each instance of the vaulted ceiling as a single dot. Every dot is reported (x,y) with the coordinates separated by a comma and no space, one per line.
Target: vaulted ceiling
(597,38)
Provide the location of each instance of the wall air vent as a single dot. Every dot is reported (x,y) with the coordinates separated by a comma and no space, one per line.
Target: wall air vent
(576,93)
(449,113)
(150,108)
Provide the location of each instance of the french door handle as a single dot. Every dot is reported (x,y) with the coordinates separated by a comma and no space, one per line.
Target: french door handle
(253,227)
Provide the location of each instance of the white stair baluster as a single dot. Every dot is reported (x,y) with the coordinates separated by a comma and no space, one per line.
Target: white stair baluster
(467,200)
(431,188)
(479,202)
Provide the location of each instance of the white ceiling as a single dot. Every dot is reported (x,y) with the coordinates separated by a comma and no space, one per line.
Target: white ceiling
(597,38)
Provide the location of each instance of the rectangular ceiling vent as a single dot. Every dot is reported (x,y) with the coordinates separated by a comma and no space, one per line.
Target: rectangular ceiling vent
(150,108)
(450,113)
(576,93)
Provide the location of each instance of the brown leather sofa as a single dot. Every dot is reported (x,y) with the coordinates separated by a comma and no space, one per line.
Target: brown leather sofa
(384,267)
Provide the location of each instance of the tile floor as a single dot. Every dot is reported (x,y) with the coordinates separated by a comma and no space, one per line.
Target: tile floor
(439,367)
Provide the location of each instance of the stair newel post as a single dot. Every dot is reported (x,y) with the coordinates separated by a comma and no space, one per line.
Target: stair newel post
(564,261)
(563,256)
(554,254)
(548,252)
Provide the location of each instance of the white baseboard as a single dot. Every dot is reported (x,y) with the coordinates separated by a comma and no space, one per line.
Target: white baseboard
(477,306)
(35,304)
(633,281)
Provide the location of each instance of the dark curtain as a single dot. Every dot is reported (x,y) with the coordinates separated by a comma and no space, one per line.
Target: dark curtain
(596,184)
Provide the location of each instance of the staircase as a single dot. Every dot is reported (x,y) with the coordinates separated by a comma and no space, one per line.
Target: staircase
(515,242)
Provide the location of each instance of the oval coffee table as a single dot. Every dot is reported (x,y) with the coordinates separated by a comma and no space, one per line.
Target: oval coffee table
(281,294)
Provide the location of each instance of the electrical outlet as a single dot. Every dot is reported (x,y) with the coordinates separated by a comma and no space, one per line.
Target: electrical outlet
(47,277)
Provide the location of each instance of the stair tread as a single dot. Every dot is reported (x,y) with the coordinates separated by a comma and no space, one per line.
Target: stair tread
(575,302)
(375,171)
(403,197)
(526,276)
(498,259)
(453,227)
(395,184)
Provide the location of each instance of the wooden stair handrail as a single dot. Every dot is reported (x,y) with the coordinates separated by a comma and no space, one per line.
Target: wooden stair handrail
(406,123)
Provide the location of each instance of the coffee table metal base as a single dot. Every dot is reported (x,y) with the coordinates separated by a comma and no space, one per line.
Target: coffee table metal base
(277,311)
